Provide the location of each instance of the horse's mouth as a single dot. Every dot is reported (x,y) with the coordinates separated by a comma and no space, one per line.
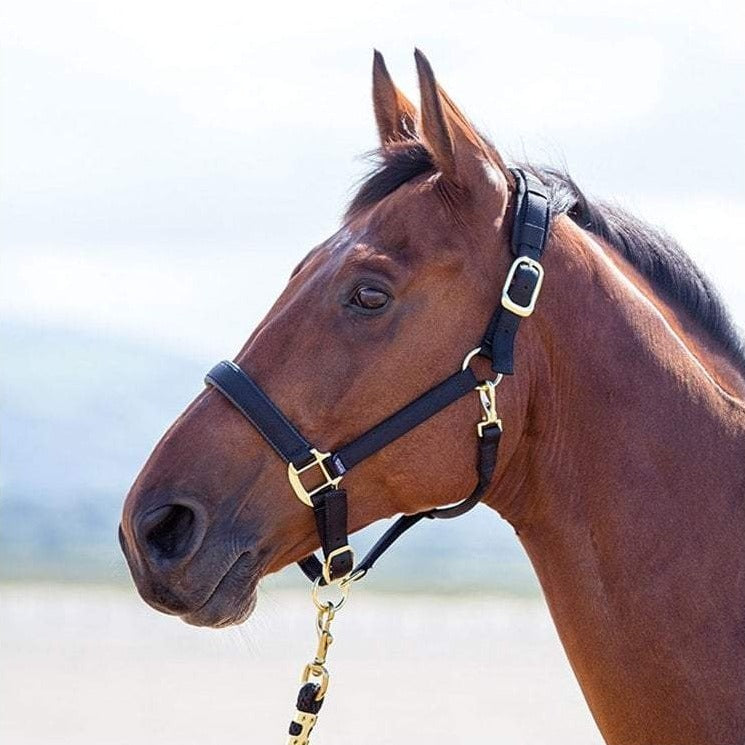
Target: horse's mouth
(233,599)
(196,596)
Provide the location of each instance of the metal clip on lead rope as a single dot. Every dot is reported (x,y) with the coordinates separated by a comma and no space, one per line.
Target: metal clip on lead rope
(315,677)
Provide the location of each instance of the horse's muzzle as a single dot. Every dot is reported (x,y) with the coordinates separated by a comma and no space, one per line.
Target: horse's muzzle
(181,570)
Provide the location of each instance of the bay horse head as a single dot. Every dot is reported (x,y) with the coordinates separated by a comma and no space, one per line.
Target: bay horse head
(370,318)
(620,467)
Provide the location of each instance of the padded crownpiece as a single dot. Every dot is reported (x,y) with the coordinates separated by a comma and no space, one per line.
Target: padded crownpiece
(532,216)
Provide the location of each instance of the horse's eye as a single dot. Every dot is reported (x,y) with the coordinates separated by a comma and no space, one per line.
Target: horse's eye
(370,298)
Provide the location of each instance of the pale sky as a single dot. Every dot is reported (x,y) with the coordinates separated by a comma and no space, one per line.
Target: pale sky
(158,157)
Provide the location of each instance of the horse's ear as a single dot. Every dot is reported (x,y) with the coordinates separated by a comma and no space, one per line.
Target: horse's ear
(394,113)
(458,150)
(435,129)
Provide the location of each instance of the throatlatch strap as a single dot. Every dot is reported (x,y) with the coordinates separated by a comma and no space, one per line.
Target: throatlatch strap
(487,461)
(258,408)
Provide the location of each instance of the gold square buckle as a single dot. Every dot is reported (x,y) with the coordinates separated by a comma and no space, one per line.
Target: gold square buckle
(507,302)
(301,492)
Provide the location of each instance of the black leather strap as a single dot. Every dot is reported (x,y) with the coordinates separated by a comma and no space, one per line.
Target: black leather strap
(487,461)
(530,227)
(241,390)
(394,532)
(498,343)
(259,409)
(398,424)
(532,216)
(330,511)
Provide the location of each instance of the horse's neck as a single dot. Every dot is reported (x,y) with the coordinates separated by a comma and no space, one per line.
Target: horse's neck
(633,512)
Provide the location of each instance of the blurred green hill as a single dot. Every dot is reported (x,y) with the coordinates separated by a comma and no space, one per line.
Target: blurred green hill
(80,414)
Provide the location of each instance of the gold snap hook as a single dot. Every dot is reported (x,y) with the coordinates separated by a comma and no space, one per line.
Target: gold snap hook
(488,398)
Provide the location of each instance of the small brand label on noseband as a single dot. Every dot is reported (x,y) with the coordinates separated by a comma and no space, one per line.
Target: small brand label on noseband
(338,465)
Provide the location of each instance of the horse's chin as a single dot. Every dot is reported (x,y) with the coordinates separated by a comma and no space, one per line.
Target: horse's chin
(232,600)
(222,610)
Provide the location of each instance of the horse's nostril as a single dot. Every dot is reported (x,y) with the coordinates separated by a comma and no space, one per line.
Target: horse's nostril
(168,531)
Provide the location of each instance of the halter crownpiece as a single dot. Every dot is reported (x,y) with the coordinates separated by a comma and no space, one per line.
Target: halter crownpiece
(315,476)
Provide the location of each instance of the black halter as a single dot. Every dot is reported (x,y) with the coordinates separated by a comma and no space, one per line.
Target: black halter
(329,502)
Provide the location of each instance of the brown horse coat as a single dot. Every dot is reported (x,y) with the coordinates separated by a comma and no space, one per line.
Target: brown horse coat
(622,460)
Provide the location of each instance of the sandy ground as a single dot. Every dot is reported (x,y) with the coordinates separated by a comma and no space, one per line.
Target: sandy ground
(88,665)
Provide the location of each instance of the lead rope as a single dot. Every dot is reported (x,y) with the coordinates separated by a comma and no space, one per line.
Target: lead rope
(314,681)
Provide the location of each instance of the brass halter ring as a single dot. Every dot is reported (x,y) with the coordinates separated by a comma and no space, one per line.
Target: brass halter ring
(469,357)
(467,362)
(325,605)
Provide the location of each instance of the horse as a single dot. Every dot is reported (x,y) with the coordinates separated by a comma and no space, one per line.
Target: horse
(621,463)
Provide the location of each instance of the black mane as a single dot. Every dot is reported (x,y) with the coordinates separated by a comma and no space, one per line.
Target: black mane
(654,254)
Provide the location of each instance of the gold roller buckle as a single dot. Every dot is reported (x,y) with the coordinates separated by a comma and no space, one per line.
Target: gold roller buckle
(507,302)
(293,475)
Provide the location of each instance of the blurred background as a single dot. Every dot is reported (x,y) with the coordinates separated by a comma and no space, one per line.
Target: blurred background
(159,157)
